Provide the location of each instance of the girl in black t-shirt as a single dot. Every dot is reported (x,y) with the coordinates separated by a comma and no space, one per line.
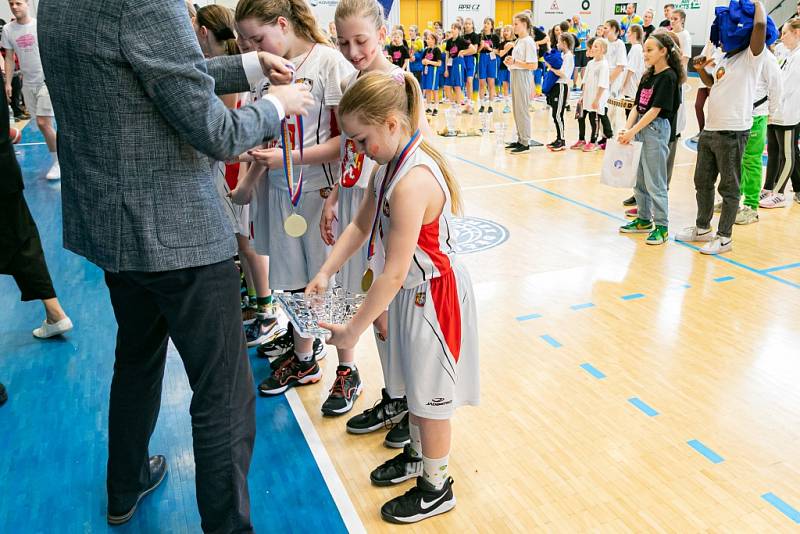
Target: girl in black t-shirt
(431,64)
(398,52)
(470,56)
(504,48)
(454,50)
(652,121)
(487,62)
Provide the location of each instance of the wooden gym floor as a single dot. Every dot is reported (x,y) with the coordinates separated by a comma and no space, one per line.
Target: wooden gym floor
(625,387)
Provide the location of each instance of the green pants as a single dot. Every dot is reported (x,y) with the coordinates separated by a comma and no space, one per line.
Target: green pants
(752,167)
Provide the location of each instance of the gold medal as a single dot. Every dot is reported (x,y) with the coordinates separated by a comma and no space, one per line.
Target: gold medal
(367,279)
(295,225)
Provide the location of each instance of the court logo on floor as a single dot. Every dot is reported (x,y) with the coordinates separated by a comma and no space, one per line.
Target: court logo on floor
(476,235)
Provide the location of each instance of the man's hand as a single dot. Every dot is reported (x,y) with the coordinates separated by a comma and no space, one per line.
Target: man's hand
(275,68)
(295,98)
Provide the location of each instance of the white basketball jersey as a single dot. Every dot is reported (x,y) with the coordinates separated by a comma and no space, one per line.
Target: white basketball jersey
(434,255)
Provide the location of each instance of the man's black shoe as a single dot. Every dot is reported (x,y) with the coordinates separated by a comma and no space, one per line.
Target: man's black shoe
(158,471)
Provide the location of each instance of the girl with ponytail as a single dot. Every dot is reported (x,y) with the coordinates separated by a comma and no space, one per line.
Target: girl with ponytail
(432,332)
(652,121)
(288,29)
(214,25)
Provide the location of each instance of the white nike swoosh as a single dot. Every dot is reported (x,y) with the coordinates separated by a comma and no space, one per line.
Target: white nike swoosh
(426,505)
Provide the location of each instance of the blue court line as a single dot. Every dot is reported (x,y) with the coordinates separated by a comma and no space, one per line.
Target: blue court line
(633,296)
(782,506)
(639,403)
(553,343)
(592,370)
(781,268)
(723,279)
(528,317)
(583,306)
(620,219)
(705,451)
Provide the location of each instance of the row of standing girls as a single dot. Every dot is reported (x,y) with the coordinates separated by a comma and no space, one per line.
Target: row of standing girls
(383,196)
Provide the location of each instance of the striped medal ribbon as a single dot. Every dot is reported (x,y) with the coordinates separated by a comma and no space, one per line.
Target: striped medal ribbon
(408,150)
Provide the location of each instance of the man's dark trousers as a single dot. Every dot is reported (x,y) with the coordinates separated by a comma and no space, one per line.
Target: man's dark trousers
(199,309)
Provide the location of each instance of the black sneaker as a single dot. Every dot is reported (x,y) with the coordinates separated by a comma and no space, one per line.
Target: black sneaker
(259,331)
(420,502)
(520,149)
(318,348)
(489,110)
(292,373)
(629,201)
(427,111)
(550,145)
(558,146)
(278,345)
(512,146)
(435,112)
(344,392)
(385,412)
(399,435)
(402,467)
(481,109)
(3,395)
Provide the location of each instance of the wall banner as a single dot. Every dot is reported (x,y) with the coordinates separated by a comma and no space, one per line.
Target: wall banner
(548,13)
(477,10)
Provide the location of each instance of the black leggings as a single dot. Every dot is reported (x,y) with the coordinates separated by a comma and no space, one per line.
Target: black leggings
(557,100)
(782,158)
(597,119)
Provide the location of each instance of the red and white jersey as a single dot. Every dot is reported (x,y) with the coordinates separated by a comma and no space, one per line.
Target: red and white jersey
(322,71)
(435,253)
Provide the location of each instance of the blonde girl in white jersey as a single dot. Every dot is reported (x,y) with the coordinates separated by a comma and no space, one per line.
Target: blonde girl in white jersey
(288,28)
(360,35)
(432,316)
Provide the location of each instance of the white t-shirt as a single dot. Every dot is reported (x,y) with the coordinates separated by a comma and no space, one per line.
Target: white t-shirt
(595,80)
(769,85)
(617,57)
(636,66)
(524,50)
(730,103)
(323,71)
(24,40)
(685,43)
(788,112)
(567,67)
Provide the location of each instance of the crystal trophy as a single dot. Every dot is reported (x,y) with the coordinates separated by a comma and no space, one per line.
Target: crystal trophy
(450,116)
(335,306)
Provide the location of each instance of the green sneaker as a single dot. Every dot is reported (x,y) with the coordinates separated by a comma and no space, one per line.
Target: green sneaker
(658,236)
(637,226)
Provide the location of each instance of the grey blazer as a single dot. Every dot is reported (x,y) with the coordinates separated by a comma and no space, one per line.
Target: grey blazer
(137,115)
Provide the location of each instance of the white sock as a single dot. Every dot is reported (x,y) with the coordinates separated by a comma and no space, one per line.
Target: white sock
(304,356)
(416,440)
(434,470)
(351,365)
(54,156)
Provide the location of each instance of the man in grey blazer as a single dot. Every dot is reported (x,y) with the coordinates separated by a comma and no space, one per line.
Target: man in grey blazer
(138,118)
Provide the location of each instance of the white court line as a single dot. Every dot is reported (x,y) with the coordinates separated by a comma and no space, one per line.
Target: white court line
(556,179)
(31,144)
(348,512)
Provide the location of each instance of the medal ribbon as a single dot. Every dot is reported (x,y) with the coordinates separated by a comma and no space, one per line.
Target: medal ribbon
(288,165)
(408,150)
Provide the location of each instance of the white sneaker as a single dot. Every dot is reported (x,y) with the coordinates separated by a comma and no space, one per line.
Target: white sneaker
(718,207)
(746,215)
(716,246)
(55,172)
(55,329)
(774,200)
(764,194)
(692,234)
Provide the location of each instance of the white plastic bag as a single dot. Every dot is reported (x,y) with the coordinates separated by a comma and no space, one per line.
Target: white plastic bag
(621,163)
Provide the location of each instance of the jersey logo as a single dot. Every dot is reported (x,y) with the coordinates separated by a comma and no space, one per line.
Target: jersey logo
(419,298)
(308,82)
(352,164)
(386,208)
(720,73)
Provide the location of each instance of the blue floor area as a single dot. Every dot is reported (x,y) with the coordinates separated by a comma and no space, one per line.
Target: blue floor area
(53,431)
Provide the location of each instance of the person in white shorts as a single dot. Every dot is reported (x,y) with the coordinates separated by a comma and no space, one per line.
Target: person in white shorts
(20,37)
(432,330)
